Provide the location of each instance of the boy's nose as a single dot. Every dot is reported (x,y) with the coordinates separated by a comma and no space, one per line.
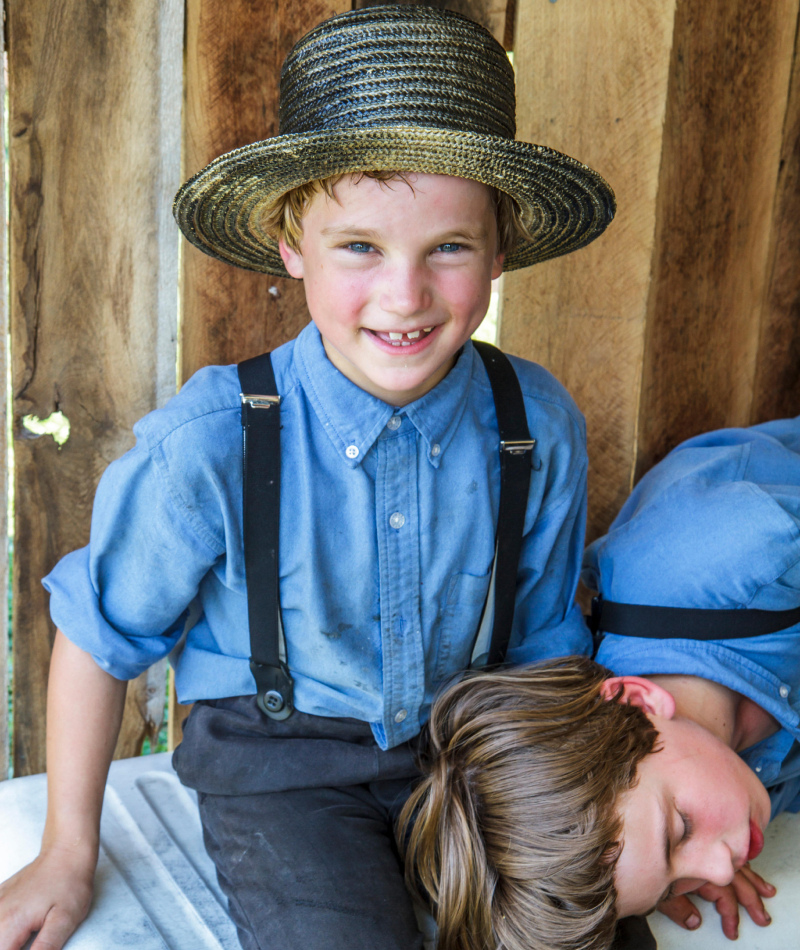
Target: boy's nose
(406,291)
(717,865)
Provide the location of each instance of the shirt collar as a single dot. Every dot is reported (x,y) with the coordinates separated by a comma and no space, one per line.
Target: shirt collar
(353,419)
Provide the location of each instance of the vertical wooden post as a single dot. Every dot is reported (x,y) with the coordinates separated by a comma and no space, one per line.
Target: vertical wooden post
(4,684)
(592,82)
(682,317)
(94,113)
(726,113)
(777,381)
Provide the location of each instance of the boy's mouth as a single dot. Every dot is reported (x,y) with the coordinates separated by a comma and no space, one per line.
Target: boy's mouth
(395,338)
(756,841)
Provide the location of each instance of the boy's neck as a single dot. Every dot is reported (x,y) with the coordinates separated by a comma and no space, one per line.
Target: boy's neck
(734,719)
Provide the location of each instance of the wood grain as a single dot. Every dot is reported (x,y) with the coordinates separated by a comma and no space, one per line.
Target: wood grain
(4,724)
(777,382)
(94,131)
(727,103)
(234,52)
(592,82)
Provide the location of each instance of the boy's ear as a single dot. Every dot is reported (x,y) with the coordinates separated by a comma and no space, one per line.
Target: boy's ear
(497,267)
(638,691)
(292,260)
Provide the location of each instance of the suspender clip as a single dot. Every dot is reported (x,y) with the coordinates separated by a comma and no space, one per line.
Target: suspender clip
(260,402)
(275,689)
(518,448)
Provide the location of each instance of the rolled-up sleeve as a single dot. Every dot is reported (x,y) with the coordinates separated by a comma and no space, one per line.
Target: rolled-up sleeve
(157,529)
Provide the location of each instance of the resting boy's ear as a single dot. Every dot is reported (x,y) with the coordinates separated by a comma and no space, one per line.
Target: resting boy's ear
(292,260)
(638,691)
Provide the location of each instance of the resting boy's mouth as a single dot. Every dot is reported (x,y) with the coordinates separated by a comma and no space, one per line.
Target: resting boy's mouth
(756,841)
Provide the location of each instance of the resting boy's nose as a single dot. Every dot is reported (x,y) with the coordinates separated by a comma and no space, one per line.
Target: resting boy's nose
(716,864)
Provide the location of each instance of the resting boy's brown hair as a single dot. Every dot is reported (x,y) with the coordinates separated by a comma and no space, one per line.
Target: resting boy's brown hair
(513,833)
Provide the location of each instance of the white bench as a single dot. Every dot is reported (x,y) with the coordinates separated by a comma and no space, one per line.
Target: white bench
(156,888)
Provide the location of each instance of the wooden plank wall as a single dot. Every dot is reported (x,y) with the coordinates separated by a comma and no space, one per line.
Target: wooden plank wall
(683,317)
(4,658)
(94,114)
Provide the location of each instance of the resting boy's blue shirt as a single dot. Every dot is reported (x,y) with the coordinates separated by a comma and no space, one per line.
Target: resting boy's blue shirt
(716,524)
(387,539)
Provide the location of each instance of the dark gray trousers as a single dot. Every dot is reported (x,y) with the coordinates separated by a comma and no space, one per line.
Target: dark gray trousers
(298,818)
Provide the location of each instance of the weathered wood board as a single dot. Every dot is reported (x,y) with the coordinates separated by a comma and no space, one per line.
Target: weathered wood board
(94,103)
(721,154)
(682,317)
(777,382)
(592,82)
(4,724)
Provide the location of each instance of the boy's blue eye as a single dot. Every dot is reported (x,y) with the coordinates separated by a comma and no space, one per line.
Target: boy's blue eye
(449,248)
(359,247)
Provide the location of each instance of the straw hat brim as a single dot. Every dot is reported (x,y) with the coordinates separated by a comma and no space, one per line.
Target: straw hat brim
(565,204)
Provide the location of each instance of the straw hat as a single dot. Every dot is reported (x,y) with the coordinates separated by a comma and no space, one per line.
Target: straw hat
(404,88)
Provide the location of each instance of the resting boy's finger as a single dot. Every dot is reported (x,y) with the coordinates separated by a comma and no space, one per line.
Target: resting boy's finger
(750,896)
(681,911)
(727,905)
(764,888)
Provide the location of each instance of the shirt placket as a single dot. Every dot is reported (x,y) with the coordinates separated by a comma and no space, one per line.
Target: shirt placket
(397,517)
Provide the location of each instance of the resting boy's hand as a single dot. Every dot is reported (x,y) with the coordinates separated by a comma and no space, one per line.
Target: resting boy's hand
(747,889)
(52,895)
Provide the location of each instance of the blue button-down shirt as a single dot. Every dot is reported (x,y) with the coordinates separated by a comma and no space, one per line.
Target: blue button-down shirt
(716,524)
(387,539)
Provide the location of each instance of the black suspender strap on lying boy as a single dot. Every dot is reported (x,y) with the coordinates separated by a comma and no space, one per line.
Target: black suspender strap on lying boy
(686,623)
(261,517)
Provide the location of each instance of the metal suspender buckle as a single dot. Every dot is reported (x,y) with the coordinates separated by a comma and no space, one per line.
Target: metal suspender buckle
(260,402)
(518,448)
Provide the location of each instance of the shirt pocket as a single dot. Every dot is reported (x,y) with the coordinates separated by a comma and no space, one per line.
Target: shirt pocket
(458,623)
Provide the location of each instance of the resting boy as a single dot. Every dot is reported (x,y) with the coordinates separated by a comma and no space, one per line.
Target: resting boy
(396,192)
(576,795)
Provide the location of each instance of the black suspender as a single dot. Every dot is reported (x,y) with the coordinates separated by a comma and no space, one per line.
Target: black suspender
(261,476)
(261,512)
(687,623)
(516,447)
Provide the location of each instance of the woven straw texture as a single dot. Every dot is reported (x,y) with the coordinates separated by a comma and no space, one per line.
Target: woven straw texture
(405,88)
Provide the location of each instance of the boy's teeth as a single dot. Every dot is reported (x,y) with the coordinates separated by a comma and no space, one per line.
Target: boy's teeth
(404,339)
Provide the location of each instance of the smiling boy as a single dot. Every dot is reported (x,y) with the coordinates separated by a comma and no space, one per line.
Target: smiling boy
(396,191)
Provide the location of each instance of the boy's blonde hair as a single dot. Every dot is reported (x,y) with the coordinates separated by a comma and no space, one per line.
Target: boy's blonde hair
(284,218)
(512,834)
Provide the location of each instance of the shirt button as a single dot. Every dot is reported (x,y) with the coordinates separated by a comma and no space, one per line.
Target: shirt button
(400,715)
(394,423)
(435,449)
(351,451)
(784,691)
(758,767)
(397,520)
